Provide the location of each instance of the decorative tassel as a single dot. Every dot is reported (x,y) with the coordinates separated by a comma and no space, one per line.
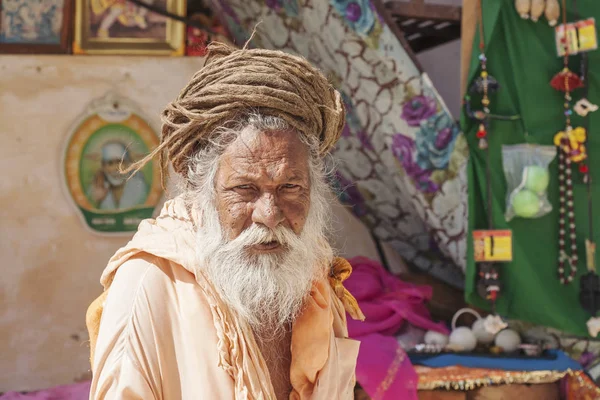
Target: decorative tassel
(523,7)
(483,144)
(566,80)
(481,133)
(552,12)
(537,9)
(585,172)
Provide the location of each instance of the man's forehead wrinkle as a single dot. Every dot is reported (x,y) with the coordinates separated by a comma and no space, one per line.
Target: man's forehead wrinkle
(273,170)
(246,144)
(235,171)
(234,154)
(274,155)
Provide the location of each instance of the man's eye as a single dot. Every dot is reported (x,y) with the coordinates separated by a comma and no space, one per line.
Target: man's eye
(244,187)
(290,187)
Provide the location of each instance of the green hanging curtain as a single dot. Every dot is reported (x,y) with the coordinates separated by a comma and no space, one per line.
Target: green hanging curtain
(522,56)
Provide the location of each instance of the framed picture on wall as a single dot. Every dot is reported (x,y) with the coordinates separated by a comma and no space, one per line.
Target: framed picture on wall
(109,135)
(36,26)
(122,27)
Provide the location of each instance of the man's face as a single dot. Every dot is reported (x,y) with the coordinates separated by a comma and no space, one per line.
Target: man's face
(263,179)
(111,167)
(112,171)
(262,241)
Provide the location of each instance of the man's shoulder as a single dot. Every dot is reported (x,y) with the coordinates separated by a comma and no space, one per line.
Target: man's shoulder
(147,269)
(148,283)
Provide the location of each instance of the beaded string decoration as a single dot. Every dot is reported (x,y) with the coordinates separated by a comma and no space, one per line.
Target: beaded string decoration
(488,285)
(566,210)
(571,149)
(482,85)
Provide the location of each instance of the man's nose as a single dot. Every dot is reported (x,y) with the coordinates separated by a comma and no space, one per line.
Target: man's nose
(267,212)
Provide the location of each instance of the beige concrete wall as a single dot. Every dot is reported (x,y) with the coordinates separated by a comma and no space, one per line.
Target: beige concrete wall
(50,263)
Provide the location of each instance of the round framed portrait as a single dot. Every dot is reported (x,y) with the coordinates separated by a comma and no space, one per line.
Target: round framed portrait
(104,143)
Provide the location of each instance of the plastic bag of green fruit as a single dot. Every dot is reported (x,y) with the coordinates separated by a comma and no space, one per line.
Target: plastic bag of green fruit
(527,177)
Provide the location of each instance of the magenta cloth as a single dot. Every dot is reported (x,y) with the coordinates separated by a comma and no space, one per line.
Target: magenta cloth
(383,369)
(77,391)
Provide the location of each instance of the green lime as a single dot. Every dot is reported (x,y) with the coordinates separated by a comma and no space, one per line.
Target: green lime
(526,204)
(536,178)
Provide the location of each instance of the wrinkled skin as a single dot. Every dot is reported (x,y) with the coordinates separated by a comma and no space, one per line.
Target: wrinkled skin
(263,178)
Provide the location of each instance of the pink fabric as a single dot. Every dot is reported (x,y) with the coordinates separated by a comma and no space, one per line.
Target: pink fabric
(78,391)
(383,369)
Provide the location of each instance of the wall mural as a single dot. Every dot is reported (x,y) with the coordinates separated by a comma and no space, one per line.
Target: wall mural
(402,158)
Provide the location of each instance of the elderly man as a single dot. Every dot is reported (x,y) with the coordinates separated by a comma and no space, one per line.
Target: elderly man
(233,291)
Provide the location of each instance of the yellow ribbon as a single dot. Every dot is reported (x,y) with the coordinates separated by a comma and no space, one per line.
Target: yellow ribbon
(340,271)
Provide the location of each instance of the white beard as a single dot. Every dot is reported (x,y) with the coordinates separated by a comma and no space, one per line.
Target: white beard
(266,290)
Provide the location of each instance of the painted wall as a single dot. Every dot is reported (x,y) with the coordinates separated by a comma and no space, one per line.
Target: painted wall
(50,264)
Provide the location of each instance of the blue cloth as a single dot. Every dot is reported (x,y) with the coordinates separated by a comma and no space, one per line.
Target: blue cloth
(554,360)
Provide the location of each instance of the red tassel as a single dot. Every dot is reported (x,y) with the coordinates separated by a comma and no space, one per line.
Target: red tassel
(558,81)
(481,133)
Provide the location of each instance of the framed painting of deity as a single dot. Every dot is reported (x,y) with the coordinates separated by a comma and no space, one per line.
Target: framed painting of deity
(36,26)
(123,27)
(109,137)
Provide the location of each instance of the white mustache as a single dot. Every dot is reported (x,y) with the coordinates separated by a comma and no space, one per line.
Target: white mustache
(259,234)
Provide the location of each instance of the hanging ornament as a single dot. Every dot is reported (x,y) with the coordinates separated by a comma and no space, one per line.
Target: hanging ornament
(572,142)
(523,7)
(537,9)
(482,136)
(552,12)
(571,149)
(482,85)
(491,247)
(489,282)
(566,80)
(567,259)
(583,107)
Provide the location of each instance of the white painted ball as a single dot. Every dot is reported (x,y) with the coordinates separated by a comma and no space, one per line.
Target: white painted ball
(436,338)
(508,339)
(463,338)
(481,334)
